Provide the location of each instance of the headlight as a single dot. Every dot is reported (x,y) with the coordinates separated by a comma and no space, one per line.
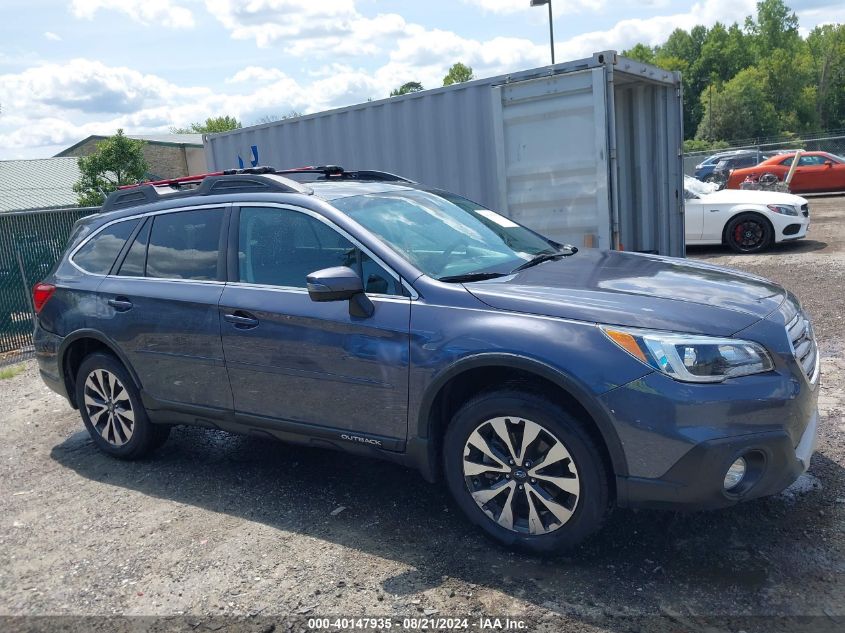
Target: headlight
(692,358)
(783,209)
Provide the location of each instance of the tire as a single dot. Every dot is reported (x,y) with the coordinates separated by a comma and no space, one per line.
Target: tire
(111,409)
(561,517)
(749,233)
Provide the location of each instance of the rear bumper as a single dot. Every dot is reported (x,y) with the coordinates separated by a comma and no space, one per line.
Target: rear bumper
(47,347)
(695,482)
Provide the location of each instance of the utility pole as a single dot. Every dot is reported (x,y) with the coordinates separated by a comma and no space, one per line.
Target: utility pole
(540,3)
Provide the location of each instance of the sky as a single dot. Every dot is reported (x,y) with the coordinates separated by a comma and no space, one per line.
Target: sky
(81,67)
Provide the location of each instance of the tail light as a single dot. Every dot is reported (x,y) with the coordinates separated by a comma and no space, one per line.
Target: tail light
(41,293)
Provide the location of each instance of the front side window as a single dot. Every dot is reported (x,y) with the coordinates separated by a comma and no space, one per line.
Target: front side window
(281,247)
(445,235)
(185,245)
(98,253)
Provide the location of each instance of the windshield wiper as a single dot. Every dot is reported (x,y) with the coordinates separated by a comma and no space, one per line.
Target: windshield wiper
(470,277)
(546,257)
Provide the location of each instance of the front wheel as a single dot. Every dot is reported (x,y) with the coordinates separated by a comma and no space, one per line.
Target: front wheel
(526,471)
(749,233)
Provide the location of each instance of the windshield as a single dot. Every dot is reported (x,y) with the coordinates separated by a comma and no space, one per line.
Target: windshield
(445,235)
(698,188)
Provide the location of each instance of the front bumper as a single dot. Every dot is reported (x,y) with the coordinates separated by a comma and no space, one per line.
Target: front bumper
(695,482)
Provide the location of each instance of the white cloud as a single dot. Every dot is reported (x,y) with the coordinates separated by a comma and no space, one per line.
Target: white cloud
(559,7)
(655,30)
(307,27)
(154,12)
(52,36)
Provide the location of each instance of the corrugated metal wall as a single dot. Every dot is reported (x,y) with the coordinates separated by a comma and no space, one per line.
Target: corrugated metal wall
(401,135)
(449,138)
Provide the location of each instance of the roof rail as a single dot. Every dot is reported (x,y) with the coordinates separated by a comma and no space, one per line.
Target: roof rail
(252,180)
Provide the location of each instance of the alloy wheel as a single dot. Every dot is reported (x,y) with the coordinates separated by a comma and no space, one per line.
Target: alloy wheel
(521,475)
(108,407)
(749,234)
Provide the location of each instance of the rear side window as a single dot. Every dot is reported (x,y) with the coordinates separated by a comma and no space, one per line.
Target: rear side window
(136,259)
(185,245)
(98,254)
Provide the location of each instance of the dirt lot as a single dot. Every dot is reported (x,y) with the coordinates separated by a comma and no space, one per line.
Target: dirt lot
(216,525)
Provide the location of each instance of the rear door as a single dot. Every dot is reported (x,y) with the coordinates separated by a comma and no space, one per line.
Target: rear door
(160,304)
(306,367)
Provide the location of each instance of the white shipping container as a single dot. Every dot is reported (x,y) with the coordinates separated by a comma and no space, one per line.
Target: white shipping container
(587,152)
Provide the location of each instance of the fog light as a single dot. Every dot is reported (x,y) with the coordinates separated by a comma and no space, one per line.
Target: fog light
(735,474)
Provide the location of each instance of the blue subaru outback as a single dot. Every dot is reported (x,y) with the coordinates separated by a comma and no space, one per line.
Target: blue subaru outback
(364,312)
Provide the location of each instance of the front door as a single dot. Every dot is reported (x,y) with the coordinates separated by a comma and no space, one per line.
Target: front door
(309,367)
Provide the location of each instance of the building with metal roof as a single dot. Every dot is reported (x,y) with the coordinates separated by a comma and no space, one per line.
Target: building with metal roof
(39,183)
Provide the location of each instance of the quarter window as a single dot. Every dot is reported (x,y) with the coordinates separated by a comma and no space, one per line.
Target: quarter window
(98,253)
(281,247)
(185,245)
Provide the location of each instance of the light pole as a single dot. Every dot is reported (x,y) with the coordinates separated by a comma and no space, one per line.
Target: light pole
(540,3)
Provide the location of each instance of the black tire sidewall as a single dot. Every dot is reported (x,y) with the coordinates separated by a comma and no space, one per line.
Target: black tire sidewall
(768,233)
(143,434)
(593,502)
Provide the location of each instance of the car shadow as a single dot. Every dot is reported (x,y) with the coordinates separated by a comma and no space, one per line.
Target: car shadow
(784,248)
(642,562)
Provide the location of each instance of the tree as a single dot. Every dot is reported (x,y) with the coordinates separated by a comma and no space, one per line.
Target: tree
(640,52)
(776,27)
(212,125)
(407,88)
(272,118)
(118,160)
(826,46)
(458,74)
(740,109)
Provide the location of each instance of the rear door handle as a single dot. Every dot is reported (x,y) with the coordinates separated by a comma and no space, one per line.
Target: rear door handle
(241,320)
(121,304)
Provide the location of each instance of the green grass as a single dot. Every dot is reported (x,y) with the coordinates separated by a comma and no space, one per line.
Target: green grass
(11,372)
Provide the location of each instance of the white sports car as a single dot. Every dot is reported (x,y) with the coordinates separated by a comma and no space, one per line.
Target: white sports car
(748,221)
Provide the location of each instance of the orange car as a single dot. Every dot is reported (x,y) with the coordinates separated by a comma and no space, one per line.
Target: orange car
(816,171)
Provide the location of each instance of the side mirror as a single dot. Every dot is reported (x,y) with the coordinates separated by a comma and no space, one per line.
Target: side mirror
(829,163)
(340,283)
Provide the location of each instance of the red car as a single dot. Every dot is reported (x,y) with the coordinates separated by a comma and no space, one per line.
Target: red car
(816,171)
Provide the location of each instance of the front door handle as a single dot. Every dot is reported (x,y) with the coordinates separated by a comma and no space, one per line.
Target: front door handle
(241,320)
(121,304)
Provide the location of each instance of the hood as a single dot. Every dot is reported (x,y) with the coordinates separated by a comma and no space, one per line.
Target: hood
(750,196)
(635,290)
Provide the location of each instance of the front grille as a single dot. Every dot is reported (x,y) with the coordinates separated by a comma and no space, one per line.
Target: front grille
(805,209)
(800,332)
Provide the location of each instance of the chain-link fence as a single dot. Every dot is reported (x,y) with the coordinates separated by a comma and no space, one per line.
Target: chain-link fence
(833,143)
(30,243)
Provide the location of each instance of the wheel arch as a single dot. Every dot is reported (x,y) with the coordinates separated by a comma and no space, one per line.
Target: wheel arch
(80,344)
(433,414)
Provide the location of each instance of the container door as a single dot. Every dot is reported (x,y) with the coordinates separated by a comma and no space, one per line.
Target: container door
(552,155)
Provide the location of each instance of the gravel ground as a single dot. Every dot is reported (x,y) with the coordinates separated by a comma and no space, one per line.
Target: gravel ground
(217,525)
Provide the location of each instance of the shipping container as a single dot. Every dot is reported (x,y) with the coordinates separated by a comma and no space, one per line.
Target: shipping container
(588,152)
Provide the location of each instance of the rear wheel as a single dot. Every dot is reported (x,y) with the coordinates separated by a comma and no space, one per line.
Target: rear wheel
(525,471)
(111,409)
(749,233)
